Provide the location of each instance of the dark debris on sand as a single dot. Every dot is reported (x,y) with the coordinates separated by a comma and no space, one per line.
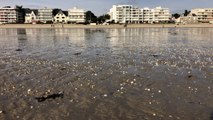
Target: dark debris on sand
(52,96)
(79,53)
(18,49)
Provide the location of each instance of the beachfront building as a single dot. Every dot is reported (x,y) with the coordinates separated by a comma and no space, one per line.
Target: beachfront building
(126,14)
(189,19)
(204,15)
(61,17)
(132,14)
(161,15)
(31,16)
(147,15)
(136,15)
(45,15)
(8,15)
(76,15)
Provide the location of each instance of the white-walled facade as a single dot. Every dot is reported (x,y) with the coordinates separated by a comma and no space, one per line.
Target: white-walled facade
(203,14)
(126,14)
(45,14)
(8,15)
(147,15)
(161,14)
(61,17)
(131,14)
(76,15)
(31,16)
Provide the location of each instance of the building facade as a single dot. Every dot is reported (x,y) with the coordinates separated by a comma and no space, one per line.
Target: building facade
(161,15)
(189,19)
(45,15)
(76,15)
(31,16)
(8,15)
(126,14)
(204,15)
(147,15)
(61,17)
(131,14)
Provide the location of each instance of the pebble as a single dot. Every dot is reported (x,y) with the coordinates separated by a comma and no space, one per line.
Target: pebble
(28,91)
(159,91)
(1,111)
(93,86)
(147,89)
(105,95)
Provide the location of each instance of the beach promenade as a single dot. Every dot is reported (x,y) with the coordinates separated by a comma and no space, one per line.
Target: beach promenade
(203,25)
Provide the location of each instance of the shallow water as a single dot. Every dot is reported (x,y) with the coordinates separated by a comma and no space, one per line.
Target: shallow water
(107,74)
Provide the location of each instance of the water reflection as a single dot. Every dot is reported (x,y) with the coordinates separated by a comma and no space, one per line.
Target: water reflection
(22,39)
(118,40)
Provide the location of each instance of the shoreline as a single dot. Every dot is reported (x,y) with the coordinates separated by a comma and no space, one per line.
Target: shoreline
(203,25)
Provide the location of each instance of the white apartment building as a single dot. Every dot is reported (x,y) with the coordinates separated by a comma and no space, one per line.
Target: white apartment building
(147,15)
(76,15)
(204,14)
(131,14)
(126,14)
(161,14)
(31,16)
(61,17)
(8,15)
(45,14)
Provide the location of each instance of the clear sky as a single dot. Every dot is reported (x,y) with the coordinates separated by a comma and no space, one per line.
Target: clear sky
(102,6)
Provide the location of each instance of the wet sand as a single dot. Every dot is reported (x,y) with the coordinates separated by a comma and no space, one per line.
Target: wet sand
(201,25)
(106,74)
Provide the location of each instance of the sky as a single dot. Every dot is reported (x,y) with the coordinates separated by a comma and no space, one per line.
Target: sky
(100,7)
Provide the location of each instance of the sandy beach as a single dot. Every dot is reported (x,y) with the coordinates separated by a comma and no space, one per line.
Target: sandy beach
(206,25)
(106,74)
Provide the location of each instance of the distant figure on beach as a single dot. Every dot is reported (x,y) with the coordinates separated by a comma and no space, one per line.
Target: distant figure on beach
(52,25)
(125,25)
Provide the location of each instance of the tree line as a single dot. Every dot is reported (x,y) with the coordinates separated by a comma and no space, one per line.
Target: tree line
(177,15)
